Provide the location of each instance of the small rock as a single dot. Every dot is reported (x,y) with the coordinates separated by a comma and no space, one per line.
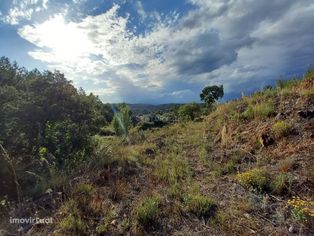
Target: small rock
(114,223)
(280,116)
(291,229)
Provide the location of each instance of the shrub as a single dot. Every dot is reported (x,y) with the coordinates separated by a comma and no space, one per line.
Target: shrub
(174,191)
(286,164)
(85,189)
(201,206)
(146,212)
(189,111)
(281,183)
(73,222)
(281,129)
(287,83)
(263,109)
(301,209)
(258,110)
(172,169)
(248,113)
(101,154)
(227,168)
(255,178)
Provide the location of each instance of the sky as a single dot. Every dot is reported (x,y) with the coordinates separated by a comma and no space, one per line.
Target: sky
(160,51)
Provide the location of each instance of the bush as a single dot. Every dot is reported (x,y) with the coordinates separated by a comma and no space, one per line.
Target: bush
(255,178)
(175,192)
(302,210)
(258,110)
(286,164)
(281,129)
(201,206)
(227,168)
(146,212)
(85,189)
(263,109)
(73,222)
(281,183)
(189,111)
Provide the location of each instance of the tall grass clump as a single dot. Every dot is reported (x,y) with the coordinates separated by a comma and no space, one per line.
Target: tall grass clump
(147,210)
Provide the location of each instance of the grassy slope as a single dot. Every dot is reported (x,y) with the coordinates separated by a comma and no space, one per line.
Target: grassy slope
(204,178)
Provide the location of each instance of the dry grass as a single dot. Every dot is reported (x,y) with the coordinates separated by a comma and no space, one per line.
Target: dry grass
(187,166)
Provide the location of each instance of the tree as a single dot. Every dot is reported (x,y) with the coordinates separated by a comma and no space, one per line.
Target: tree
(44,111)
(211,94)
(189,111)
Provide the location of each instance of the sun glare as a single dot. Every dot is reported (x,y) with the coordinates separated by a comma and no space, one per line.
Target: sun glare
(66,40)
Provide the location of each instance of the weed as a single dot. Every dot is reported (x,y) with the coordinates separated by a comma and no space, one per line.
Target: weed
(119,190)
(281,183)
(201,206)
(175,192)
(302,210)
(58,180)
(255,178)
(73,222)
(102,229)
(227,168)
(172,169)
(281,129)
(263,109)
(146,212)
(286,164)
(85,189)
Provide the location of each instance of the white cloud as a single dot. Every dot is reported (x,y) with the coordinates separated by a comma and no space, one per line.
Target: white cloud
(23,10)
(229,42)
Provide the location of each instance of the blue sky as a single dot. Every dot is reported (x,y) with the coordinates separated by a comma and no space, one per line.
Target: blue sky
(158,51)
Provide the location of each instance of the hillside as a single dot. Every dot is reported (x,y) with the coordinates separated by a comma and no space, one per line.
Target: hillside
(148,108)
(245,169)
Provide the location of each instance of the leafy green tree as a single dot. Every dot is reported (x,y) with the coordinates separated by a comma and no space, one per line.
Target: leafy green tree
(189,111)
(211,94)
(44,111)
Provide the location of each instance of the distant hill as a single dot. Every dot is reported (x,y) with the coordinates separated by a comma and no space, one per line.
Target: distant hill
(140,108)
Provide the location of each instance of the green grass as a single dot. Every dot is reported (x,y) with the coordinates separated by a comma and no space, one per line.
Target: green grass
(281,129)
(84,188)
(201,205)
(147,210)
(282,183)
(73,222)
(264,109)
(227,168)
(172,169)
